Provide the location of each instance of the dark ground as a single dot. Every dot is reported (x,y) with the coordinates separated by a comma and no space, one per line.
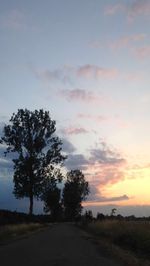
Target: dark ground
(59,245)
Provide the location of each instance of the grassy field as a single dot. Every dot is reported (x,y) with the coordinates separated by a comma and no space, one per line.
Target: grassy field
(9,232)
(128,239)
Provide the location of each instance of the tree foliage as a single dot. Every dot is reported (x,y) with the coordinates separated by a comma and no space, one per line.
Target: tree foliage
(52,195)
(31,134)
(75,191)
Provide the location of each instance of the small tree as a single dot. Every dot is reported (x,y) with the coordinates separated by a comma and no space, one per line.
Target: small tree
(31,136)
(75,191)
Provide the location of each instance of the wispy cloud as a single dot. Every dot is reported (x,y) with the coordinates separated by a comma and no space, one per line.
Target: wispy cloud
(105,155)
(96,196)
(117,198)
(113,9)
(106,166)
(74,130)
(138,8)
(108,174)
(61,74)
(13,19)
(81,95)
(132,10)
(93,71)
(97,118)
(142,52)
(67,74)
(17,19)
(127,41)
(103,165)
(135,76)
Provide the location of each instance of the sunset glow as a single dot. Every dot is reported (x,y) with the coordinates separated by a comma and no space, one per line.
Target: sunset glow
(87,62)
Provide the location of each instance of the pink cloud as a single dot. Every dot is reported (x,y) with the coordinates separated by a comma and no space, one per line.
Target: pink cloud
(134,76)
(46,75)
(126,41)
(139,7)
(104,166)
(142,52)
(108,168)
(105,155)
(74,130)
(93,71)
(67,73)
(107,174)
(80,95)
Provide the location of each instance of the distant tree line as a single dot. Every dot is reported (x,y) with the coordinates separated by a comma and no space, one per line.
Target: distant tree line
(38,165)
(14,217)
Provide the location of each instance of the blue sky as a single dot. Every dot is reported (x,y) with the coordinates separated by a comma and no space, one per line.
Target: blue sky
(87,62)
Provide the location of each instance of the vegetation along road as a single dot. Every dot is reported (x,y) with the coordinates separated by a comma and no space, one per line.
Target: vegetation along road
(59,245)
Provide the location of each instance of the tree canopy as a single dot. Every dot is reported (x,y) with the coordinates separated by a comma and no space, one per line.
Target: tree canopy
(31,135)
(52,195)
(75,191)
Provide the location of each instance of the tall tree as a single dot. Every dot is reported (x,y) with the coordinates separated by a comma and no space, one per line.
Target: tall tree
(75,191)
(30,134)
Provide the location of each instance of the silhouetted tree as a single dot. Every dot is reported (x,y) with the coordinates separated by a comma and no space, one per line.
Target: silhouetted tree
(113,211)
(75,191)
(31,136)
(51,195)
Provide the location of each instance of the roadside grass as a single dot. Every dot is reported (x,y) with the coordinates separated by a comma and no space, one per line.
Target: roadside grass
(128,240)
(9,232)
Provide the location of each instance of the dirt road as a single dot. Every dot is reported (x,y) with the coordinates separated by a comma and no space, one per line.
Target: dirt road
(59,245)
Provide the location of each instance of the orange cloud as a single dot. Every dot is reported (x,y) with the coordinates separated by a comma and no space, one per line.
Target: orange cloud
(108,174)
(102,166)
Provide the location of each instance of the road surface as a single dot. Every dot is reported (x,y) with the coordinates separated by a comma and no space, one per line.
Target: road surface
(59,245)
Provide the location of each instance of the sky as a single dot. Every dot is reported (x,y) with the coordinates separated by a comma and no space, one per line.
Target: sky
(87,62)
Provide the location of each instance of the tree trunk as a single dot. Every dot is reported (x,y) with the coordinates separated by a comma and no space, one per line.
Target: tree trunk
(31,205)
(31,188)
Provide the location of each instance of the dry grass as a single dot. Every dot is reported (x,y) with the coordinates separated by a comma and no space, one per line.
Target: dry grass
(128,240)
(12,231)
